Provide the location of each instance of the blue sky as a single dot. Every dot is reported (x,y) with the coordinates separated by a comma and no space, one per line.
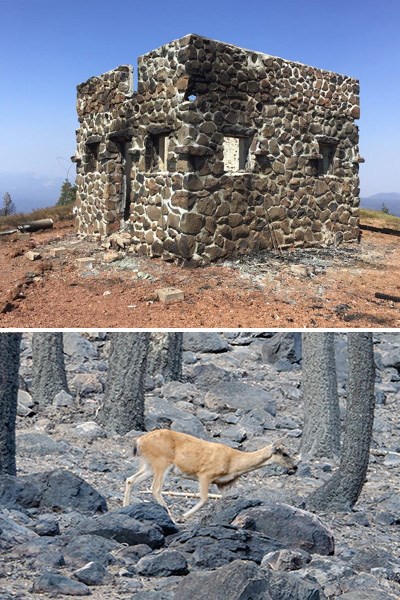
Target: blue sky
(47,47)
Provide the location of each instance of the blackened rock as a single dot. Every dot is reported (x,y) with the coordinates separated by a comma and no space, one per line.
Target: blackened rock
(93,573)
(132,554)
(214,546)
(46,527)
(150,511)
(292,527)
(282,346)
(204,342)
(59,584)
(367,558)
(229,511)
(240,580)
(123,529)
(58,489)
(290,586)
(207,375)
(82,549)
(163,564)
(12,533)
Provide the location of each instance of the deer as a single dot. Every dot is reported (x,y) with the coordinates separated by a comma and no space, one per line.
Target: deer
(163,450)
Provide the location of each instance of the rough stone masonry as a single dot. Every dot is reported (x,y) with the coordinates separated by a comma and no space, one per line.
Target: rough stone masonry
(220,151)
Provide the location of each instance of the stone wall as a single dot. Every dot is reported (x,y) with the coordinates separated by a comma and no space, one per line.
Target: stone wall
(220,151)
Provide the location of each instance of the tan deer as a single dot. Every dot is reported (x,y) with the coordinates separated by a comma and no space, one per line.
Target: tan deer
(164,450)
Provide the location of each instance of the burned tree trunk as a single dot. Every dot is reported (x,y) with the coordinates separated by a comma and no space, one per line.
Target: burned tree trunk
(9,368)
(165,356)
(341,492)
(123,407)
(48,367)
(321,431)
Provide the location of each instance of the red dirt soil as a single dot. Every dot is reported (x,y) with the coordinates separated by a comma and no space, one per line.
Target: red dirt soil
(333,287)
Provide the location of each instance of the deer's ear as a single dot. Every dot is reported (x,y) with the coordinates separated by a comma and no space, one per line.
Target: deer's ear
(279,442)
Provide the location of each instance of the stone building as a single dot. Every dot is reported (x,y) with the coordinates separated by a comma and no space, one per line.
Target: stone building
(221,150)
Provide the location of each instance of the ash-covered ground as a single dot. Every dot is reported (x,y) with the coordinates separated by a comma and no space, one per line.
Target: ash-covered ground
(240,389)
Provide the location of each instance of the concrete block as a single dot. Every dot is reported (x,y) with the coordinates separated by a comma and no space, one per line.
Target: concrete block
(109,257)
(84,263)
(58,252)
(169,295)
(31,255)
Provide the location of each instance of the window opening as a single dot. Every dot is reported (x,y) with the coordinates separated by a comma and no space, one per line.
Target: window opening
(157,152)
(126,161)
(325,164)
(236,153)
(92,156)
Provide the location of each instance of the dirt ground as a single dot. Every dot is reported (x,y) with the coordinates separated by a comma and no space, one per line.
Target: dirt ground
(332,287)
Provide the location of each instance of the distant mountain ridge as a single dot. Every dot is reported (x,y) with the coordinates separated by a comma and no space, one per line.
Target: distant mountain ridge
(391,200)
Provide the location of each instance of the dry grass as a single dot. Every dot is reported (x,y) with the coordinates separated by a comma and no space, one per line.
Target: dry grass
(57,213)
(379,219)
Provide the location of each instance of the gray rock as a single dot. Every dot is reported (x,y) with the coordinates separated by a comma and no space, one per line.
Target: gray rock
(93,573)
(208,375)
(290,586)
(329,573)
(25,398)
(236,433)
(59,584)
(390,357)
(367,558)
(286,560)
(152,512)
(12,533)
(47,527)
(176,391)
(190,425)
(204,342)
(282,346)
(390,503)
(40,444)
(86,384)
(213,546)
(77,346)
(162,564)
(58,489)
(392,459)
(161,413)
(63,399)
(206,415)
(189,358)
(152,595)
(82,549)
(25,404)
(234,395)
(90,431)
(365,587)
(291,527)
(240,580)
(123,529)
(131,554)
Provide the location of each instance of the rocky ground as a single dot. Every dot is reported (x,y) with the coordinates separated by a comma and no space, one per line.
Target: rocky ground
(57,538)
(331,287)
